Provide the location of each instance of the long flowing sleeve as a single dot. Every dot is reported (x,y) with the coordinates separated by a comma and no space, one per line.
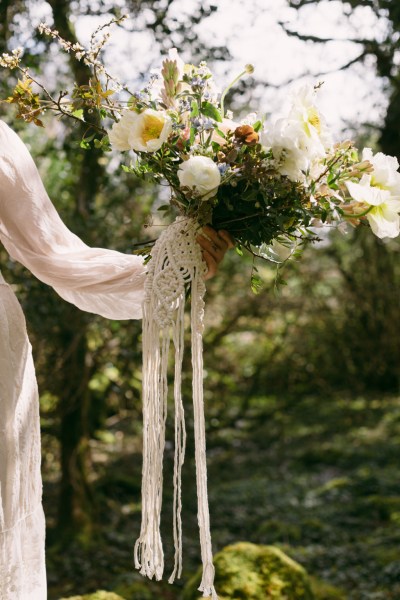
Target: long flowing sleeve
(96,280)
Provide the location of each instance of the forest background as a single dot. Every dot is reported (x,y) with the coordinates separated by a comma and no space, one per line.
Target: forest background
(302,387)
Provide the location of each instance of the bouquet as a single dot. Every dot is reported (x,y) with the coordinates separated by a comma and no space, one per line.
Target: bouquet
(271,183)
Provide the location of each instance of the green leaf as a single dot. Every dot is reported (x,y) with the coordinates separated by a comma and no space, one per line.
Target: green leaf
(256,283)
(221,133)
(195,109)
(78,114)
(211,111)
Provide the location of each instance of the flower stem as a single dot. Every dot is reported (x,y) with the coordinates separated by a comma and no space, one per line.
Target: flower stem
(226,90)
(358,215)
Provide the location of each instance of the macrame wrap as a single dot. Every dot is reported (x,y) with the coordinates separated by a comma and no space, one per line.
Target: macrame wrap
(176,265)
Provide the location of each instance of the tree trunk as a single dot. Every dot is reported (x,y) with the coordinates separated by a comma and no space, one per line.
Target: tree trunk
(77,507)
(77,503)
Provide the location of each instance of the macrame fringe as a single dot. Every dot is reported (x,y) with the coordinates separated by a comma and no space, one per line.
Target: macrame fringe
(175,266)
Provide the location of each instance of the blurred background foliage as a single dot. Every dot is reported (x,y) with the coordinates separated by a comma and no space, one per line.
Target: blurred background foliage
(302,388)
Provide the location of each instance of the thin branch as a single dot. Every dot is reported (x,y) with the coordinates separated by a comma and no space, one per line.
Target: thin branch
(300,3)
(321,73)
(320,40)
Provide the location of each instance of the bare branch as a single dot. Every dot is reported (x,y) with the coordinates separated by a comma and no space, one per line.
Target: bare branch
(351,62)
(300,3)
(319,40)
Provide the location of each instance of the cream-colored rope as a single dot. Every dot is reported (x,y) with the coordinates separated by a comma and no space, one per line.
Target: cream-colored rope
(176,266)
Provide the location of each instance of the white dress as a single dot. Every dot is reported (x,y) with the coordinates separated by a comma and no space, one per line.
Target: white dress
(96,280)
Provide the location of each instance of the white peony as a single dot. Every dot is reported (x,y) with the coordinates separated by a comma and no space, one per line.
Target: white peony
(200,174)
(144,132)
(380,190)
(300,140)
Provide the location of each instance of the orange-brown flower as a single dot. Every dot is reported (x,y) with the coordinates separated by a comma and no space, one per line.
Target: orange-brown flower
(245,134)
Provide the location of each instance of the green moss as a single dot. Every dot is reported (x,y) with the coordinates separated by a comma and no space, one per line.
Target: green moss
(325,591)
(138,591)
(251,572)
(99,595)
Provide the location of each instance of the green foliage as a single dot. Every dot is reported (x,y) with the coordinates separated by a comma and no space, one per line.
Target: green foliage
(253,572)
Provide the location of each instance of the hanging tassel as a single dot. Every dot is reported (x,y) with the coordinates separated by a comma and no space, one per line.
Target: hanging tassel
(176,264)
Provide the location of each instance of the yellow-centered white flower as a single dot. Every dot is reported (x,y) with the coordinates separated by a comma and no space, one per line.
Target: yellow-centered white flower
(300,140)
(144,132)
(200,174)
(381,191)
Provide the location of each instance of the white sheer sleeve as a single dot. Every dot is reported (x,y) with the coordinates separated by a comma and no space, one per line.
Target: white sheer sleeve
(101,281)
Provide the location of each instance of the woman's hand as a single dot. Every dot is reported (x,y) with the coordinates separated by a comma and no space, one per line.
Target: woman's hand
(214,245)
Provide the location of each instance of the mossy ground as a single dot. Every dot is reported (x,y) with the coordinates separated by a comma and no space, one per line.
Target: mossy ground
(316,477)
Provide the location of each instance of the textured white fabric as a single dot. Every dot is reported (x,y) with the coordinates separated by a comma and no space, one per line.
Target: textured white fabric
(22,571)
(96,280)
(176,267)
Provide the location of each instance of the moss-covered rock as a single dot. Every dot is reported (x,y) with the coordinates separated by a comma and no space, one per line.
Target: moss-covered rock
(251,572)
(99,595)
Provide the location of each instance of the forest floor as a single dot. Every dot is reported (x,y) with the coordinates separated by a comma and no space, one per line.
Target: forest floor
(317,477)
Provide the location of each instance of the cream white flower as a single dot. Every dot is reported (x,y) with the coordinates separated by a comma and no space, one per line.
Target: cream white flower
(144,132)
(150,130)
(301,139)
(380,190)
(305,111)
(120,131)
(201,174)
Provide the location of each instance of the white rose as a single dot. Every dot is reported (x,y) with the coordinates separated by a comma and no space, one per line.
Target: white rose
(201,174)
(144,132)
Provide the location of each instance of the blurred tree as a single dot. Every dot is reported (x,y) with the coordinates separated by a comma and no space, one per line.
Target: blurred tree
(385,53)
(66,363)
